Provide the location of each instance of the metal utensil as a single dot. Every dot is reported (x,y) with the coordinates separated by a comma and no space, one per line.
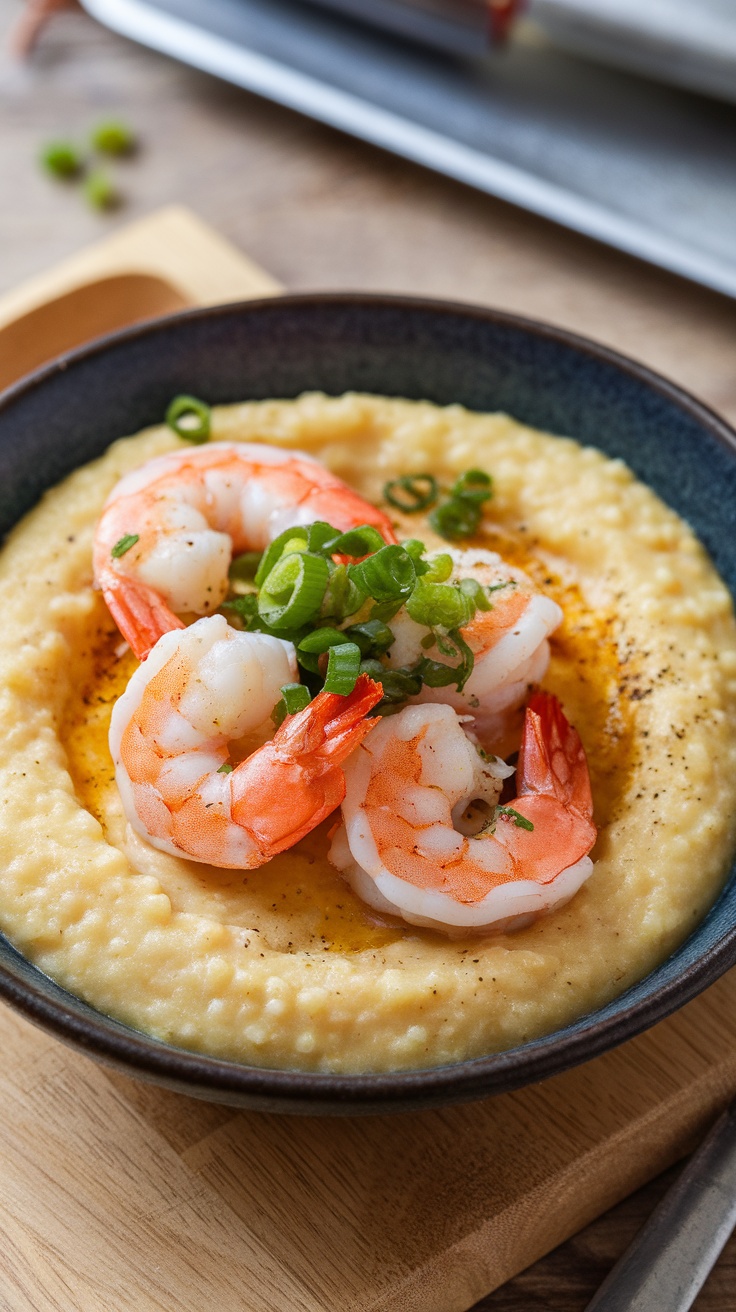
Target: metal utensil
(668,1263)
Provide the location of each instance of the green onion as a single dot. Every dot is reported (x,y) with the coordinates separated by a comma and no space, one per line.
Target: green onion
(343,597)
(385,610)
(320,535)
(520,821)
(292,594)
(343,668)
(371,636)
(294,698)
(455,519)
(388,575)
(315,644)
(439,605)
(62,159)
(459,516)
(473,484)
(225,768)
(124,544)
(101,192)
(358,542)
(397,684)
(246,608)
(476,593)
(295,539)
(411,492)
(113,138)
(436,674)
(439,568)
(190,418)
(243,568)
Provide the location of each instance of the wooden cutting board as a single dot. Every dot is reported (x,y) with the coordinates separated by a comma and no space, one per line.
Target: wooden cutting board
(119,1196)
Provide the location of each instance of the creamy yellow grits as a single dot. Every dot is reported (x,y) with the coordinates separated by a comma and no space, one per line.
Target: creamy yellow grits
(284,966)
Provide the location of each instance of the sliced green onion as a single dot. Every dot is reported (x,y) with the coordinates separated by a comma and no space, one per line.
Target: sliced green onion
(343,597)
(358,542)
(439,568)
(190,418)
(416,549)
(439,605)
(315,644)
(473,484)
(295,539)
(388,575)
(294,698)
(411,492)
(100,191)
(113,138)
(293,591)
(456,519)
(385,610)
(244,568)
(459,516)
(246,608)
(465,668)
(343,668)
(519,820)
(371,636)
(320,640)
(62,159)
(319,536)
(476,593)
(225,768)
(124,544)
(397,684)
(436,674)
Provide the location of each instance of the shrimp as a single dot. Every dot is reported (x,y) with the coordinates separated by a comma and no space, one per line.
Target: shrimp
(414,842)
(201,688)
(184,514)
(509,643)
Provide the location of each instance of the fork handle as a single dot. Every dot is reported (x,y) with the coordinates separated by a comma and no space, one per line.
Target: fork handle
(670,1259)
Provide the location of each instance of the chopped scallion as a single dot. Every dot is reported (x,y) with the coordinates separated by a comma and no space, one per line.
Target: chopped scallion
(519,820)
(387,575)
(190,418)
(124,544)
(411,492)
(294,698)
(343,668)
(292,594)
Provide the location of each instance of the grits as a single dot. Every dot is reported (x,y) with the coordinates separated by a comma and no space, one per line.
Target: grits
(284,966)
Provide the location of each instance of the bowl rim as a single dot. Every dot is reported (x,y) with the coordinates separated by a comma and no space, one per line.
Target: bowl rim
(74,1021)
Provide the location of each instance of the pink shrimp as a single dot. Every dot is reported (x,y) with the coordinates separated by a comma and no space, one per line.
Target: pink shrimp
(200,689)
(424,838)
(509,643)
(169,529)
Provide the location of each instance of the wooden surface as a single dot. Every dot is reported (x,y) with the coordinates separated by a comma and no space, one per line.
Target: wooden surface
(118,1196)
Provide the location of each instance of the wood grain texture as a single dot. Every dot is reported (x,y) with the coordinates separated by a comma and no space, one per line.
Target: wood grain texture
(117,1195)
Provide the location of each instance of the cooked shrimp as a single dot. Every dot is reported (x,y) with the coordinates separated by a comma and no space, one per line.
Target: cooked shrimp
(509,643)
(408,844)
(202,688)
(186,513)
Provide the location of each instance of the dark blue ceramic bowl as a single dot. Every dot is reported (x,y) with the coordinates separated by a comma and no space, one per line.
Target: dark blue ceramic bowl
(70,411)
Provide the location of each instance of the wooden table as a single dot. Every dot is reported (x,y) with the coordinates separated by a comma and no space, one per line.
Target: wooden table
(321,211)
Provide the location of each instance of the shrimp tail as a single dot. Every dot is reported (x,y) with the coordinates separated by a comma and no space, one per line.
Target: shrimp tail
(552,758)
(295,781)
(139,612)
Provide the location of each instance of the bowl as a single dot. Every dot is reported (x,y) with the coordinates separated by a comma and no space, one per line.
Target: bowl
(68,413)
